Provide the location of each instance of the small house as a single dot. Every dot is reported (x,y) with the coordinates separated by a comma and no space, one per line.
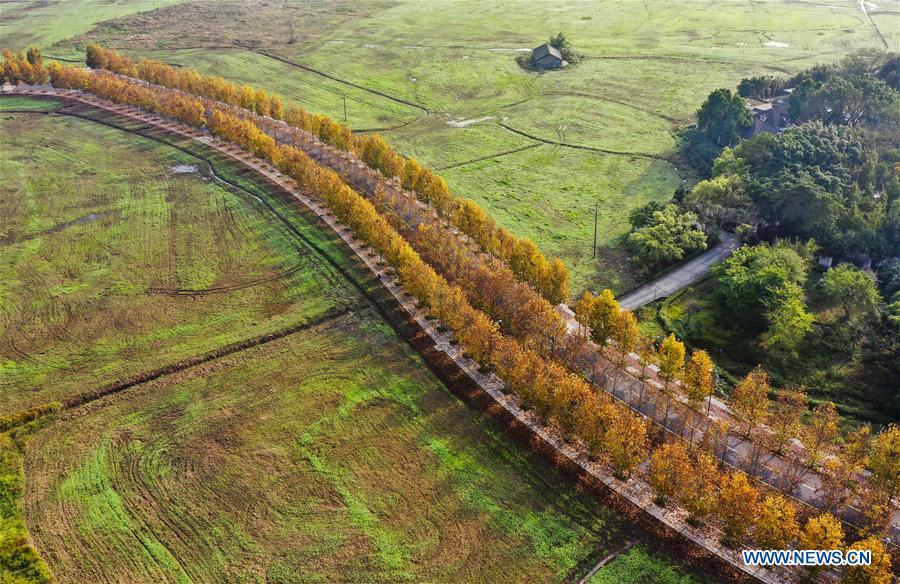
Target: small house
(769,115)
(547,56)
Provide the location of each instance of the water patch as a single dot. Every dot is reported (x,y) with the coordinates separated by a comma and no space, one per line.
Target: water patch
(776,44)
(469,122)
(80,220)
(184,169)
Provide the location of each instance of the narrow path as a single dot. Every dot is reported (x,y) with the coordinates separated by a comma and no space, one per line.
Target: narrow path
(680,277)
(344,81)
(862,6)
(583,147)
(621,550)
(488,157)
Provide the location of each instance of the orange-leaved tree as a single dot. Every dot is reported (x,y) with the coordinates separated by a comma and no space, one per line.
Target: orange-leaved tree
(750,398)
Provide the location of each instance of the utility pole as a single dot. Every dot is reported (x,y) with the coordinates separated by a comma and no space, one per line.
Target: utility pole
(596,213)
(344,95)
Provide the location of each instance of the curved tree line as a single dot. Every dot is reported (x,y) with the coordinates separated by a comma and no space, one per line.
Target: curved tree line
(688,477)
(549,276)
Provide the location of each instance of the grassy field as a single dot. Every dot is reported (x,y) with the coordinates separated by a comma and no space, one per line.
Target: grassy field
(99,232)
(640,565)
(42,23)
(331,454)
(446,79)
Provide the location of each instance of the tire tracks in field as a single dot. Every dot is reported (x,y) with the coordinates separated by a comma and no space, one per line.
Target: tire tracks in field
(148,499)
(230,288)
(190,362)
(349,278)
(353,280)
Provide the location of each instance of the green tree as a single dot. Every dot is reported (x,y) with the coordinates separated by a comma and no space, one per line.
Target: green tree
(562,43)
(643,215)
(722,117)
(760,87)
(667,238)
(851,289)
(761,287)
(720,200)
(787,319)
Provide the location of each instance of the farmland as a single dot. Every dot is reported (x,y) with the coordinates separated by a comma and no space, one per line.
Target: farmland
(95,251)
(328,454)
(231,395)
(447,81)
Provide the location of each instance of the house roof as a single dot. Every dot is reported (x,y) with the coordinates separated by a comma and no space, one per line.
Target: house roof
(544,50)
(755,105)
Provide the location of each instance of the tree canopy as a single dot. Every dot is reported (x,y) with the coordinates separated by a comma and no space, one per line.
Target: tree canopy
(820,182)
(722,117)
(668,235)
(761,286)
(562,43)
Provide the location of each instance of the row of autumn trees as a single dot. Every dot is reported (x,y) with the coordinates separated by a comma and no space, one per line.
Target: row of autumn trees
(28,68)
(610,430)
(549,277)
(776,423)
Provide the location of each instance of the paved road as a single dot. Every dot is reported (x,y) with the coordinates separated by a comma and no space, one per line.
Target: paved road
(682,276)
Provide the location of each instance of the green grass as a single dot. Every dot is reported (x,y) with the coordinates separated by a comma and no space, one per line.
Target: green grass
(646,69)
(333,454)
(19,562)
(34,22)
(514,191)
(640,565)
(94,221)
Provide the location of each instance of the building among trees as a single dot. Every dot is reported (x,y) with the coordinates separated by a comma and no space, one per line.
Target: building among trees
(769,115)
(547,56)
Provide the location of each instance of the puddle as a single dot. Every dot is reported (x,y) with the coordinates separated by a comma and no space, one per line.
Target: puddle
(464,123)
(776,44)
(80,220)
(184,169)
